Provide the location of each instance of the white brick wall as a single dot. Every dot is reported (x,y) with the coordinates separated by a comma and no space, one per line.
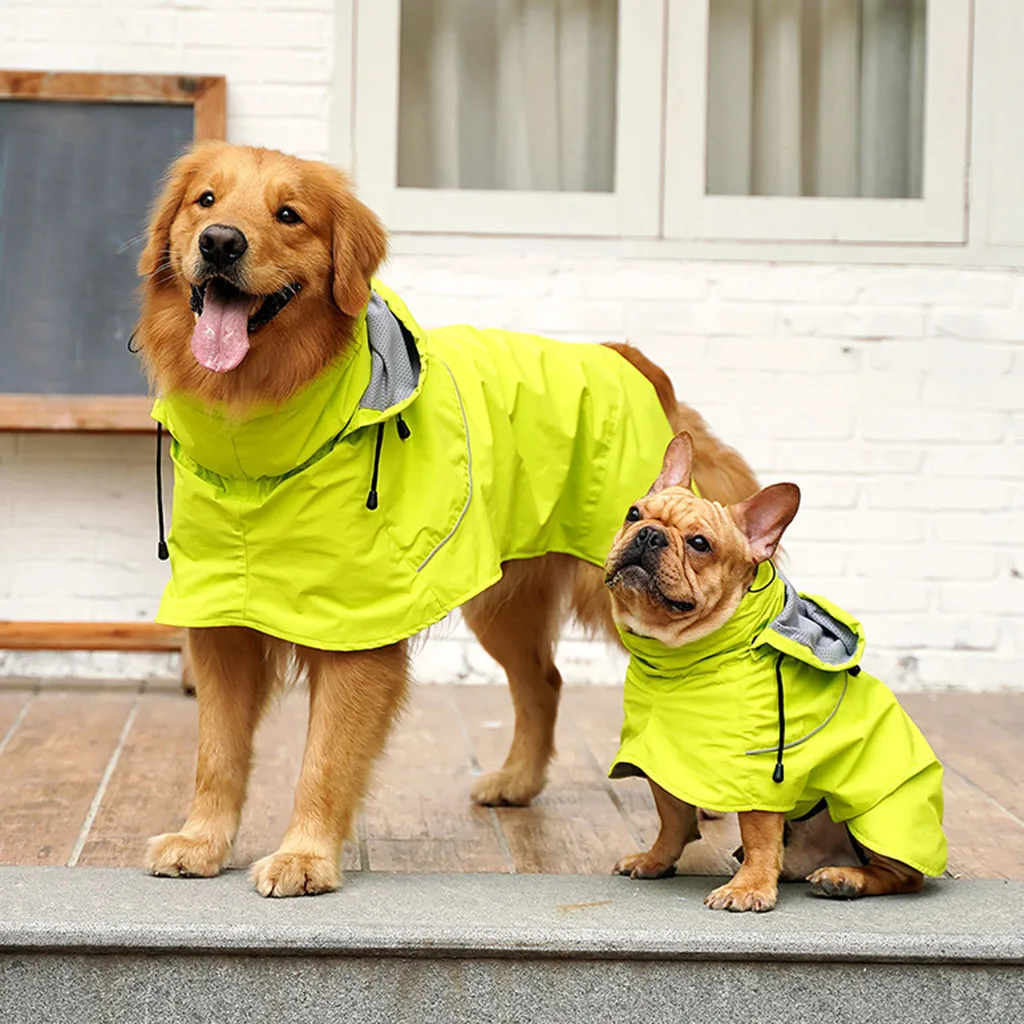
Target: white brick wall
(894,395)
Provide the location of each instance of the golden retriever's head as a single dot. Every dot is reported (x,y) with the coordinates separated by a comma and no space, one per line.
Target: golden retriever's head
(255,262)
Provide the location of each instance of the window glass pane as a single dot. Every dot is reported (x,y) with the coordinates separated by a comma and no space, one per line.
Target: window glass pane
(816,97)
(508,94)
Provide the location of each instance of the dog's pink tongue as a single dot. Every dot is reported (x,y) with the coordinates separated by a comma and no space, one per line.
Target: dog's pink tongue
(221,336)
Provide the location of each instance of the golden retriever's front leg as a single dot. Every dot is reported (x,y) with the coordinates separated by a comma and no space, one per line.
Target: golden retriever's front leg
(354,697)
(232,679)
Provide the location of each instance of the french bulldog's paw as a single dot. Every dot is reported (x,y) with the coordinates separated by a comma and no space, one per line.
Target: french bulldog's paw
(836,883)
(176,855)
(289,873)
(644,865)
(506,789)
(740,898)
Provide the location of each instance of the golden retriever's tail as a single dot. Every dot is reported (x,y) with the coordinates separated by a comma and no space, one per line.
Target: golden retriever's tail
(655,374)
(722,474)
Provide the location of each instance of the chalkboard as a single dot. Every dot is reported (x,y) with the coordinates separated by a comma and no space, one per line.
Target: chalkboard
(78,173)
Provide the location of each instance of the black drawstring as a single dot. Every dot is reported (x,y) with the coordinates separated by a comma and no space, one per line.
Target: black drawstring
(161,544)
(404,433)
(780,773)
(371,498)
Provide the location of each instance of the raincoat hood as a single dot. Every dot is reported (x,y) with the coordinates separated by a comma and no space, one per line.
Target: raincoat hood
(772,712)
(390,490)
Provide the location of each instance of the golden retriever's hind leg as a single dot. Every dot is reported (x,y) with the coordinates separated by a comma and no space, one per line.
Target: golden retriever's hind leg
(233,678)
(517,623)
(881,876)
(354,696)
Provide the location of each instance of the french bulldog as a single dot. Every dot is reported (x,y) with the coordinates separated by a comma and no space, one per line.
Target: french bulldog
(744,695)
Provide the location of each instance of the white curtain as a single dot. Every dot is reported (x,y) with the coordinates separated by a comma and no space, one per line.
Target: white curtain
(816,97)
(508,94)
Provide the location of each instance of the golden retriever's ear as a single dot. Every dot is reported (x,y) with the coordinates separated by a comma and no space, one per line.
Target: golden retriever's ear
(164,210)
(360,244)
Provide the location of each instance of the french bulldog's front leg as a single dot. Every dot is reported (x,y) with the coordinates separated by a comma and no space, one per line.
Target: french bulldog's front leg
(756,885)
(678,827)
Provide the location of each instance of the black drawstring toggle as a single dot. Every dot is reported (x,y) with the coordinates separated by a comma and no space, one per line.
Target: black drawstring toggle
(371,498)
(403,429)
(161,544)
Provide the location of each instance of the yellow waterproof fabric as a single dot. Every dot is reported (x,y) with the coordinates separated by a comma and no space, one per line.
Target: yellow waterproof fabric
(520,446)
(695,714)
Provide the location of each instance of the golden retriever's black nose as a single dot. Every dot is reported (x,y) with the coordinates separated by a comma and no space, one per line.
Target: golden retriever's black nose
(221,244)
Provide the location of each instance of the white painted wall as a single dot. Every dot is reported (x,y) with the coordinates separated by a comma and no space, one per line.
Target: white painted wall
(893,393)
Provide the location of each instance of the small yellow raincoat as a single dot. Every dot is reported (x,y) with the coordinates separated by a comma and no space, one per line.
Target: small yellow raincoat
(390,490)
(771,712)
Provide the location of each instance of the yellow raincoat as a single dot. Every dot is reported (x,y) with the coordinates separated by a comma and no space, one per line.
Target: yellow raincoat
(771,712)
(477,446)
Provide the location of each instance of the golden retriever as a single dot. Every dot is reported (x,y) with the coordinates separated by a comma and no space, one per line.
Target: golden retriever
(310,250)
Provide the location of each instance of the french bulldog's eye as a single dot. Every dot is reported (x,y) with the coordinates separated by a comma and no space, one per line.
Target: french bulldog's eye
(633,515)
(206,199)
(286,215)
(699,543)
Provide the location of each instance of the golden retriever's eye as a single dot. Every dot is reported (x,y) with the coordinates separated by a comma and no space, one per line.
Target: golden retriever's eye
(206,199)
(699,543)
(286,215)
(633,515)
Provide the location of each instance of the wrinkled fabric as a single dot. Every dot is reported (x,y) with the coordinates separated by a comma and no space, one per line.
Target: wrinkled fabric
(702,721)
(519,446)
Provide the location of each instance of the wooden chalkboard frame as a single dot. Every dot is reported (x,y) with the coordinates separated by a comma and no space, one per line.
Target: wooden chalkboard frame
(207,95)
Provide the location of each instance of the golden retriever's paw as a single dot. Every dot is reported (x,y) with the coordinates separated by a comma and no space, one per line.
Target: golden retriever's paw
(176,855)
(295,874)
(741,898)
(644,865)
(506,789)
(837,883)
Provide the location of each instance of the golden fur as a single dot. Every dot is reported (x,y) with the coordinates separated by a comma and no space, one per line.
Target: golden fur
(354,697)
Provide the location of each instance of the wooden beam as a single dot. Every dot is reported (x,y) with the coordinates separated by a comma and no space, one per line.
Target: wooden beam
(89,636)
(112,414)
(211,109)
(90,87)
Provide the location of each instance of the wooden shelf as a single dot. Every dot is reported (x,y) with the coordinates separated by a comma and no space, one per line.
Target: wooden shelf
(112,414)
(89,636)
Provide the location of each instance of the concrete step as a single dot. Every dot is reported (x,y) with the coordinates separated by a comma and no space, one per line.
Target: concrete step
(113,945)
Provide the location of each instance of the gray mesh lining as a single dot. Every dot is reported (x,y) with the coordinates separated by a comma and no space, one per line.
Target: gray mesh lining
(809,625)
(393,371)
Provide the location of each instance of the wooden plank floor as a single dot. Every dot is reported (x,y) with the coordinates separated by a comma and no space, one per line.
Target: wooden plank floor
(87,774)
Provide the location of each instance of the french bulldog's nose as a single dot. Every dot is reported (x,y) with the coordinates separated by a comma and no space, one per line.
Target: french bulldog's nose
(221,245)
(648,538)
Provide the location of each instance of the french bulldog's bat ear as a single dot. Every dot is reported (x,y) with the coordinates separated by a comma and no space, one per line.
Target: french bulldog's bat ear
(764,518)
(677,465)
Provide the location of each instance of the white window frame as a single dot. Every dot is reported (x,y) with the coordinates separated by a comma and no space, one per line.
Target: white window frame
(632,210)
(940,216)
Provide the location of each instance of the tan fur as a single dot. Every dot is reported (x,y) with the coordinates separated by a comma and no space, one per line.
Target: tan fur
(741,536)
(354,697)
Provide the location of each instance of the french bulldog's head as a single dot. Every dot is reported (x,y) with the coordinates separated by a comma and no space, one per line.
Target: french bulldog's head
(681,564)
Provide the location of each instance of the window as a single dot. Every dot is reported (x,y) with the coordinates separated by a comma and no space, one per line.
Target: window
(521,116)
(760,120)
(817,120)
